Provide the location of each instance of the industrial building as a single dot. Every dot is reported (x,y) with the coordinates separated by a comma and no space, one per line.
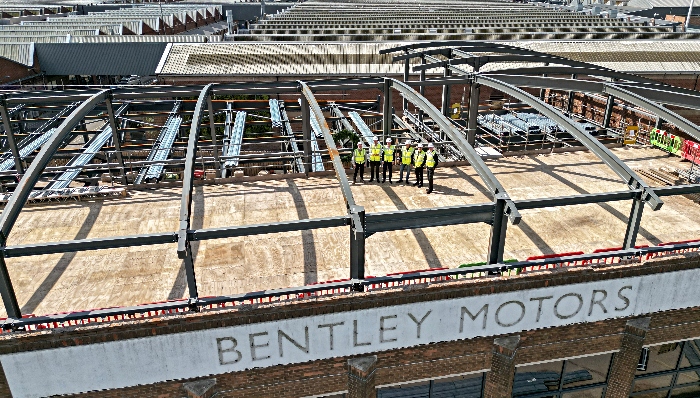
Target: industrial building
(178,218)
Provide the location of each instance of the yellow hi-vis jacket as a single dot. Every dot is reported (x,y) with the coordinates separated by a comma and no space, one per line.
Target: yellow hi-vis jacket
(359,155)
(389,153)
(375,153)
(407,155)
(419,158)
(430,159)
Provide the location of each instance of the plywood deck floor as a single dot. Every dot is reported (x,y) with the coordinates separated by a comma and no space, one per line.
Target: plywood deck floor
(106,278)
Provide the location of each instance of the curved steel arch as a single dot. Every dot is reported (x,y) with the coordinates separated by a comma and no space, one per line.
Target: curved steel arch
(446,43)
(684,124)
(479,61)
(25,186)
(582,70)
(504,205)
(184,250)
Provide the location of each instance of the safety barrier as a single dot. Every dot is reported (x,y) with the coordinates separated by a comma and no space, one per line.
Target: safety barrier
(666,141)
(691,151)
(614,255)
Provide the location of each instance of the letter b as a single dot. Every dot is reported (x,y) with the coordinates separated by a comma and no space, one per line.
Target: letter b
(223,351)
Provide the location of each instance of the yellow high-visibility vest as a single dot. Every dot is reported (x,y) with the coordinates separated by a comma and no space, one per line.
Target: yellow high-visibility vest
(406,155)
(430,158)
(375,153)
(419,158)
(359,155)
(389,153)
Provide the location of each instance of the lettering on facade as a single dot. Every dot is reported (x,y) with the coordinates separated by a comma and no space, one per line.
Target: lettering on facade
(474,317)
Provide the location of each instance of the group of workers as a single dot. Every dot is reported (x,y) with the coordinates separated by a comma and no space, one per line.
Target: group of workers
(388,155)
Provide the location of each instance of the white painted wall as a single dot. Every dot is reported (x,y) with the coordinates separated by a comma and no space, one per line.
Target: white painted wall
(214,351)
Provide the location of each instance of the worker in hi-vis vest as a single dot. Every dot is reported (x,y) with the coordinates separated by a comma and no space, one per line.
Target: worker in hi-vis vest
(406,160)
(431,161)
(388,158)
(419,162)
(359,157)
(375,158)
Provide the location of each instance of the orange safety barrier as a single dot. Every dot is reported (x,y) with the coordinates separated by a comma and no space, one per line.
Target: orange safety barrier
(691,151)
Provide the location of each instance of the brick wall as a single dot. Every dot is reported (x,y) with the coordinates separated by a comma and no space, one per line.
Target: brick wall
(404,365)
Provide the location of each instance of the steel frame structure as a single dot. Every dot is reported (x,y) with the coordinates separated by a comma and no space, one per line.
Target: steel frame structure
(361,225)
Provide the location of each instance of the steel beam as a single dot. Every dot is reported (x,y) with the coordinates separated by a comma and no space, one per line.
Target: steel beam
(671,117)
(677,190)
(583,86)
(446,94)
(115,138)
(541,203)
(499,226)
(36,249)
(184,249)
(7,123)
(568,70)
(665,94)
(270,228)
(24,188)
(600,150)
(424,218)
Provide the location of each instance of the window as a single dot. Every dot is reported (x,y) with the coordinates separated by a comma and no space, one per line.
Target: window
(573,378)
(673,370)
(467,386)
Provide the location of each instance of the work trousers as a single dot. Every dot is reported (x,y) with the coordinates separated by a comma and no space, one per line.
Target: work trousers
(373,170)
(408,171)
(361,168)
(419,176)
(390,166)
(431,172)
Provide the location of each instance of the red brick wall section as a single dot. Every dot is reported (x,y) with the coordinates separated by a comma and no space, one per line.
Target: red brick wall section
(361,377)
(499,380)
(625,361)
(398,366)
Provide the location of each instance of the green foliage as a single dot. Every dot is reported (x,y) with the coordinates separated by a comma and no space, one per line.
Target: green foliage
(346,139)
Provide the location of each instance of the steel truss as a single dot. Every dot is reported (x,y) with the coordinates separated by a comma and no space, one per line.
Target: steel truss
(361,225)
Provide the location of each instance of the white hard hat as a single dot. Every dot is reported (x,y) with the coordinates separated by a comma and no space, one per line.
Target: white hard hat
(420,145)
(375,138)
(388,140)
(407,142)
(359,143)
(430,145)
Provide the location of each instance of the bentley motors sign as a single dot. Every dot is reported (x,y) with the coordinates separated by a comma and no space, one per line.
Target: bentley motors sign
(214,351)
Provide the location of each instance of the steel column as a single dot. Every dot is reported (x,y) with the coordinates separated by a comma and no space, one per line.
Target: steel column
(421,89)
(499,226)
(212,128)
(608,111)
(357,243)
(406,71)
(659,122)
(306,133)
(570,99)
(115,138)
(474,93)
(7,123)
(184,250)
(633,222)
(387,116)
(446,93)
(24,188)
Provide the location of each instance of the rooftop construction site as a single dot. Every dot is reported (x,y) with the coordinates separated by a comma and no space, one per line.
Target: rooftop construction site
(173,175)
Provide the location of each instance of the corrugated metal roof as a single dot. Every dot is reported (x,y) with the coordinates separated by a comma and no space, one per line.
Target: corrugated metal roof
(662,3)
(144,39)
(21,53)
(100,58)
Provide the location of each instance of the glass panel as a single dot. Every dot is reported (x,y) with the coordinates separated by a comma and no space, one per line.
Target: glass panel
(658,394)
(691,376)
(662,357)
(691,354)
(651,383)
(459,387)
(590,393)
(409,390)
(686,392)
(538,378)
(587,370)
